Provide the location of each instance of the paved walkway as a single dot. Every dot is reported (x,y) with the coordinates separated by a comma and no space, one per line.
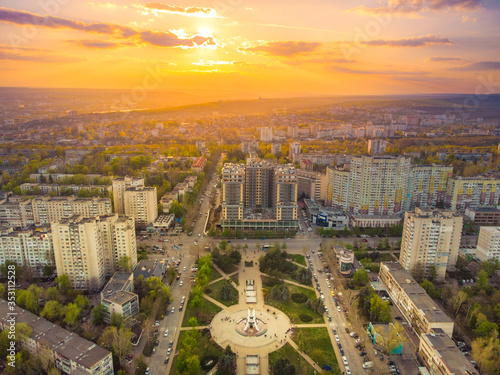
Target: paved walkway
(221,305)
(298,284)
(305,356)
(197,327)
(226,277)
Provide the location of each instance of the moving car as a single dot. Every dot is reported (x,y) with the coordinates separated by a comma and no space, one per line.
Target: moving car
(166,333)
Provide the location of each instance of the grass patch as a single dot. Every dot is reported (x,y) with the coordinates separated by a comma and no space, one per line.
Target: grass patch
(215,293)
(385,257)
(298,258)
(205,348)
(317,345)
(286,351)
(214,275)
(235,278)
(204,313)
(294,310)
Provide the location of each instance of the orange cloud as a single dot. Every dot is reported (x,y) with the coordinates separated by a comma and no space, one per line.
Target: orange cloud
(421,41)
(410,7)
(189,11)
(283,48)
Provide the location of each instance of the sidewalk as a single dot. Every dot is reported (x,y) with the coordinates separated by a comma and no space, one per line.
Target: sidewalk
(305,356)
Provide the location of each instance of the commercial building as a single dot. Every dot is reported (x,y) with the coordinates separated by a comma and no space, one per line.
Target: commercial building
(78,251)
(483,215)
(488,243)
(427,186)
(420,310)
(311,184)
(72,354)
(121,184)
(442,357)
(118,297)
(345,260)
(431,238)
(141,205)
(327,217)
(465,192)
(374,221)
(27,248)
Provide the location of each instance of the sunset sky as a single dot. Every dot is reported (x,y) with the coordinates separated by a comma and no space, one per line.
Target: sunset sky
(253,47)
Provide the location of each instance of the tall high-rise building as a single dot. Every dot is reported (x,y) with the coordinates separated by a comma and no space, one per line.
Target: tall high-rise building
(488,243)
(310,184)
(465,192)
(78,251)
(118,241)
(292,131)
(233,182)
(285,180)
(293,150)
(259,186)
(431,238)
(27,248)
(377,146)
(427,186)
(265,134)
(337,187)
(121,184)
(141,204)
(377,184)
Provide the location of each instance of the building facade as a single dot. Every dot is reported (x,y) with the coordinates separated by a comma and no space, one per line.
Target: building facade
(488,243)
(121,184)
(233,196)
(465,192)
(141,205)
(431,238)
(118,297)
(427,186)
(377,146)
(310,184)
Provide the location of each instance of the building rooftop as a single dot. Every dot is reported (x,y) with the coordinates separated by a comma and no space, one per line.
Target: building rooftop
(149,268)
(448,352)
(484,209)
(416,293)
(120,297)
(66,343)
(434,213)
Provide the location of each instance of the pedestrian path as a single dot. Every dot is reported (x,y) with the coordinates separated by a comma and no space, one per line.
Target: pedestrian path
(305,356)
(298,284)
(197,327)
(222,306)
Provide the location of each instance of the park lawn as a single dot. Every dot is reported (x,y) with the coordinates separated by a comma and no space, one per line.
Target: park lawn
(214,275)
(317,345)
(298,258)
(209,310)
(385,257)
(294,310)
(236,278)
(215,293)
(286,351)
(205,348)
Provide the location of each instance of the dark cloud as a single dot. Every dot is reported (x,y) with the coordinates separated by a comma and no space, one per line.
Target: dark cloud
(181,10)
(480,65)
(421,41)
(409,7)
(33,54)
(282,48)
(156,38)
(98,44)
(445,59)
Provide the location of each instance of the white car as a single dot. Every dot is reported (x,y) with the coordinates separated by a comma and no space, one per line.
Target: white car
(185,269)
(337,338)
(338,308)
(166,333)
(347,370)
(344,359)
(180,284)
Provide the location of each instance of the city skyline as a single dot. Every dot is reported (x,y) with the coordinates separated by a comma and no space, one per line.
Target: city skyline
(253,48)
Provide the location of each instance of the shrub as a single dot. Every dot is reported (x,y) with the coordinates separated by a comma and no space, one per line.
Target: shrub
(305,318)
(299,297)
(208,290)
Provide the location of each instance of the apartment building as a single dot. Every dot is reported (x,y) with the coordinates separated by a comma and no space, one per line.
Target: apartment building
(199,164)
(141,205)
(121,184)
(118,297)
(258,188)
(294,150)
(483,215)
(16,213)
(78,251)
(233,195)
(380,184)
(427,186)
(27,248)
(72,354)
(311,184)
(420,310)
(431,238)
(442,357)
(285,180)
(29,187)
(47,210)
(377,146)
(265,134)
(488,243)
(337,187)
(465,192)
(118,241)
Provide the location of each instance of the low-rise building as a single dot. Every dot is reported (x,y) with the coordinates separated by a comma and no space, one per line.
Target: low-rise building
(442,357)
(488,243)
(72,354)
(483,215)
(327,217)
(374,221)
(118,297)
(345,260)
(150,268)
(199,164)
(415,304)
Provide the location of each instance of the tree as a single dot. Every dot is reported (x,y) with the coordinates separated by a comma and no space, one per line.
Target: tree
(98,314)
(64,284)
(52,294)
(124,263)
(486,328)
(380,310)
(227,362)
(72,314)
(482,281)
(280,292)
(82,302)
(52,311)
(418,272)
(226,292)
(283,367)
(430,289)
(171,274)
(48,271)
(118,340)
(360,277)
(116,320)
